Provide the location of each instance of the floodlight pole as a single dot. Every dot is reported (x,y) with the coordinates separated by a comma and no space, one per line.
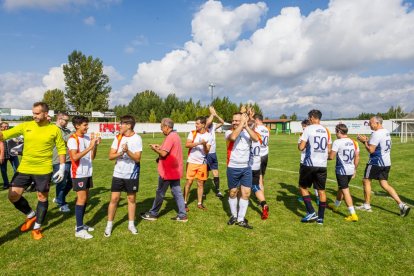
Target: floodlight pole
(211,87)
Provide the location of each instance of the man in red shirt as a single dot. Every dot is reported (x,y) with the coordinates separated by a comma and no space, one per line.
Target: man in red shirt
(170,169)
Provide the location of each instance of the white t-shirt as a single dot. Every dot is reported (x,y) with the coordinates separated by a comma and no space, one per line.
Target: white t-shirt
(317,139)
(302,153)
(382,155)
(264,133)
(238,151)
(197,154)
(346,150)
(212,130)
(125,167)
(83,167)
(255,159)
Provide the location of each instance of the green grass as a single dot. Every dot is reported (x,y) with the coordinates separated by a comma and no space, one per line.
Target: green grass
(380,243)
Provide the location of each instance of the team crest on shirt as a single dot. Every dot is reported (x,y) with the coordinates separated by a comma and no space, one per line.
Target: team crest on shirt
(80,184)
(134,188)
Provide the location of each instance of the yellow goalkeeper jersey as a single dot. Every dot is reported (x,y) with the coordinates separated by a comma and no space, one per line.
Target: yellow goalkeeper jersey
(39,142)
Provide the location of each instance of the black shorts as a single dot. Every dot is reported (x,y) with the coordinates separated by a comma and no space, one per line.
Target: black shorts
(343,181)
(263,164)
(256,177)
(376,172)
(82,184)
(124,185)
(312,175)
(22,180)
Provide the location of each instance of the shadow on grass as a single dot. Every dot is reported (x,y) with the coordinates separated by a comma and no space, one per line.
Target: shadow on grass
(11,235)
(288,195)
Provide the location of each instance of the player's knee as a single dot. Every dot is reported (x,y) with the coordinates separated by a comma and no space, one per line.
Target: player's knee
(13,196)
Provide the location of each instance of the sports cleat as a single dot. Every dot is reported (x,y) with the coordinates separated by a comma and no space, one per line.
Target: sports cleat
(181,219)
(333,207)
(319,221)
(244,224)
(232,220)
(148,216)
(64,208)
(364,208)
(28,224)
(186,208)
(107,232)
(219,195)
(404,210)
(353,218)
(133,229)
(309,217)
(37,234)
(201,206)
(83,234)
(265,212)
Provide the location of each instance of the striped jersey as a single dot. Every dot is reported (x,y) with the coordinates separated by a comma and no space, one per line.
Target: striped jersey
(317,139)
(346,150)
(125,167)
(83,167)
(382,155)
(238,151)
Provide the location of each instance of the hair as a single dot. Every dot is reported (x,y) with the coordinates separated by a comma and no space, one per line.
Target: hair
(45,107)
(237,113)
(258,117)
(167,122)
(305,122)
(202,119)
(315,114)
(341,128)
(378,119)
(4,123)
(128,119)
(62,114)
(78,120)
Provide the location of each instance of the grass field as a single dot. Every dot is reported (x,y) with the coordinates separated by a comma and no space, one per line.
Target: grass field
(380,243)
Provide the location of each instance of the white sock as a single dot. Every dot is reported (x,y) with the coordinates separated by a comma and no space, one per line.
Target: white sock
(337,203)
(351,210)
(243,204)
(131,223)
(367,206)
(233,206)
(401,205)
(31,214)
(36,226)
(200,203)
(316,193)
(109,224)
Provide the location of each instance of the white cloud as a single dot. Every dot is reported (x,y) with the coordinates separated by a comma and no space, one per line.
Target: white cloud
(292,62)
(90,20)
(54,5)
(113,75)
(136,42)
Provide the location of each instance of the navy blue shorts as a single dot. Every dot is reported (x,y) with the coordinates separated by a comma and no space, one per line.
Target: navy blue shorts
(212,162)
(239,176)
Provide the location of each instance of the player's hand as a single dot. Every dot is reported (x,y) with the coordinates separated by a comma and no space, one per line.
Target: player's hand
(203,142)
(243,109)
(60,174)
(154,146)
(125,147)
(353,176)
(244,119)
(362,138)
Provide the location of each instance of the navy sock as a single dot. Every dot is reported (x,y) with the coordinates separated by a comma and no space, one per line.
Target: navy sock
(308,204)
(263,203)
(41,211)
(79,212)
(23,206)
(217,183)
(321,211)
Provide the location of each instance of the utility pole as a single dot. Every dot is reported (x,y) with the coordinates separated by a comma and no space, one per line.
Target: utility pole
(211,87)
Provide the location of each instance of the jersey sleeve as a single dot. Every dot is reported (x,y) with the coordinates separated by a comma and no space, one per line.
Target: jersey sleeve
(72,145)
(335,146)
(114,144)
(356,146)
(60,143)
(139,144)
(374,139)
(13,132)
(305,135)
(227,134)
(190,136)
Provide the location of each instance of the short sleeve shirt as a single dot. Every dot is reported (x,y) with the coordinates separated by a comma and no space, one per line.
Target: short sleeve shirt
(197,155)
(317,139)
(346,150)
(264,133)
(125,167)
(255,159)
(238,151)
(171,166)
(82,167)
(382,155)
(212,131)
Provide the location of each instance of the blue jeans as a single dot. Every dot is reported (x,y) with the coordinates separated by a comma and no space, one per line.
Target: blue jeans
(176,192)
(14,161)
(64,186)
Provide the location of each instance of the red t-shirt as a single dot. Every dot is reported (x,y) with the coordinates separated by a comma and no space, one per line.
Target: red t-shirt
(171,166)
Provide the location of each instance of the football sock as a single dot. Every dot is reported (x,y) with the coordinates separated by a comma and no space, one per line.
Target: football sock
(308,204)
(41,211)
(23,206)
(36,226)
(79,211)
(263,203)
(131,223)
(321,211)
(31,214)
(217,183)
(243,204)
(367,206)
(401,204)
(109,224)
(233,206)
(351,210)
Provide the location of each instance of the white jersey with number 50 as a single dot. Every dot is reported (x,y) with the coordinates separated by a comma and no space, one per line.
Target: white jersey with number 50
(317,139)
(346,150)
(382,139)
(264,133)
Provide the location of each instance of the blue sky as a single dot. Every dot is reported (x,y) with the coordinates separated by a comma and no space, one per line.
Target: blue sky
(285,55)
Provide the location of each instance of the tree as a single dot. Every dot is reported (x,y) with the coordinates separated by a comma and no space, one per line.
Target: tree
(141,105)
(55,99)
(294,117)
(87,86)
(283,116)
(152,117)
